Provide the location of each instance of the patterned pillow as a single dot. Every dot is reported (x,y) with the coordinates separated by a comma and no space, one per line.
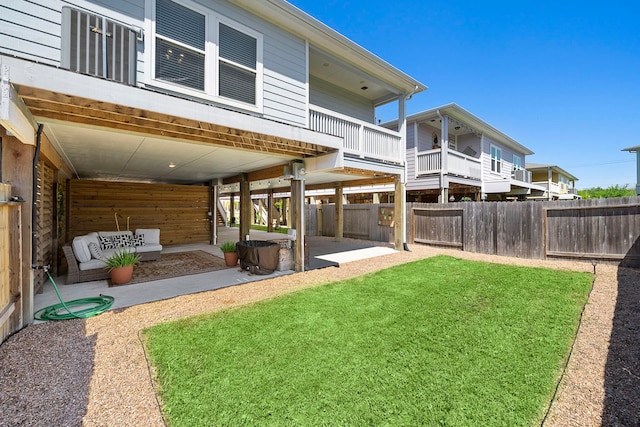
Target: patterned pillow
(107,242)
(95,250)
(138,240)
(124,240)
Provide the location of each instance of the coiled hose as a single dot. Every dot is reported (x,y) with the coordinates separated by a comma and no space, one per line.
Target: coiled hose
(92,306)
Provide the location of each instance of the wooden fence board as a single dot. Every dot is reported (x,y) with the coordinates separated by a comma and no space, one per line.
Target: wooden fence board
(602,228)
(179,211)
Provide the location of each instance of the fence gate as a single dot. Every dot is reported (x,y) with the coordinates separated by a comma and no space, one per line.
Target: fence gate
(442,227)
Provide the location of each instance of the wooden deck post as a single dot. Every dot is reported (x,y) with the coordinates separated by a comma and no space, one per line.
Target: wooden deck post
(400,207)
(246,208)
(339,215)
(297,204)
(270,211)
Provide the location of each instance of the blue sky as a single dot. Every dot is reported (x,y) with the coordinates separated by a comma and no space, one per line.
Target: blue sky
(560,77)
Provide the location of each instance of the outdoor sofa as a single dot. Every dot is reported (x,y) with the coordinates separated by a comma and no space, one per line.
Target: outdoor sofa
(87,254)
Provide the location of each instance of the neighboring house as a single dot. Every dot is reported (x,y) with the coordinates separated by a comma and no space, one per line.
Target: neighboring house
(243,96)
(636,150)
(558,183)
(453,155)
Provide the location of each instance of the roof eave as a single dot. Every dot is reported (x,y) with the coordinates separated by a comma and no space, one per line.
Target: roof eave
(293,19)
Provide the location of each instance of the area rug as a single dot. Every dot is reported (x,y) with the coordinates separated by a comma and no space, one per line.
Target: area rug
(174,265)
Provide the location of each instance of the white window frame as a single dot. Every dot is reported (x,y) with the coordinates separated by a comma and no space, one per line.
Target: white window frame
(212,21)
(496,167)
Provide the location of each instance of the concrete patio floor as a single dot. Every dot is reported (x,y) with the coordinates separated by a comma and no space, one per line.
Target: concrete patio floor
(323,252)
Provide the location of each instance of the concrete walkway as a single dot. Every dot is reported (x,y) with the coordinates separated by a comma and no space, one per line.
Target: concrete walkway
(323,252)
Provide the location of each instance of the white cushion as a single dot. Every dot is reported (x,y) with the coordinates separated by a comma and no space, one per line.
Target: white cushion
(108,253)
(92,264)
(151,235)
(81,249)
(148,248)
(115,233)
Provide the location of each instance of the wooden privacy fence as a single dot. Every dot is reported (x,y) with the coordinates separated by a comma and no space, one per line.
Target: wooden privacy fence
(10,268)
(603,229)
(361,221)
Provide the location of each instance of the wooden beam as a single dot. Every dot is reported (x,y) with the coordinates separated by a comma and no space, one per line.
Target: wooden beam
(62,107)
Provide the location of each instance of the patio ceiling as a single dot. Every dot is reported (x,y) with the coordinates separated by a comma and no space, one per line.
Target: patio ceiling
(101,140)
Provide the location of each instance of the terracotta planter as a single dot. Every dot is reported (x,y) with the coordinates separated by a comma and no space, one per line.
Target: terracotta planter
(231,259)
(121,275)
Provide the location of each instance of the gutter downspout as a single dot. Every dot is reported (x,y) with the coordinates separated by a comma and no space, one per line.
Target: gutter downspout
(34,197)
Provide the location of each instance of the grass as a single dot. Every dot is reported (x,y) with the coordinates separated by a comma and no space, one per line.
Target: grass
(441,341)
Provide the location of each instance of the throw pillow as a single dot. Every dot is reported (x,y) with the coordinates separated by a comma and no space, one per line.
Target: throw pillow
(124,240)
(138,240)
(107,243)
(95,250)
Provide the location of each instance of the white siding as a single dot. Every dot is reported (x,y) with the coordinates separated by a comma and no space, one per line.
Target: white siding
(33,31)
(507,161)
(325,95)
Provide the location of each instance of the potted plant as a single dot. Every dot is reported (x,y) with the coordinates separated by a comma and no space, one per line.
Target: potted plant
(120,266)
(230,253)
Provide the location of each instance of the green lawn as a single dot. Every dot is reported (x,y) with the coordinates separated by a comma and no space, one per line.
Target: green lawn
(441,341)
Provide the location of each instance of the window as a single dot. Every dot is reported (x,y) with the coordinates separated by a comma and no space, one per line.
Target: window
(203,54)
(496,159)
(180,45)
(237,65)
(517,163)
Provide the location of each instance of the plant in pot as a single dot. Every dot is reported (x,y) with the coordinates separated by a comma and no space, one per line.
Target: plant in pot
(120,266)
(230,253)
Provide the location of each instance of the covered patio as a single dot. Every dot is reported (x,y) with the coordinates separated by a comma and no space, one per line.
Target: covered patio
(323,252)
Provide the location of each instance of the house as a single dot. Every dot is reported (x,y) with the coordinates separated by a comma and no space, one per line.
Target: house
(453,155)
(558,183)
(206,98)
(636,150)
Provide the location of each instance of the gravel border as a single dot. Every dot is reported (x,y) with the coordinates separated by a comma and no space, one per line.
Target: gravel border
(94,372)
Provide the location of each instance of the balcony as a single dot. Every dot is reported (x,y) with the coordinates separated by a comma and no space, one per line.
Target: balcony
(430,162)
(521,175)
(361,139)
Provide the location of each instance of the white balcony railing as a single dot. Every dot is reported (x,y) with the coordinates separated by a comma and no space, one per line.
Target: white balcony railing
(522,175)
(553,188)
(361,139)
(430,162)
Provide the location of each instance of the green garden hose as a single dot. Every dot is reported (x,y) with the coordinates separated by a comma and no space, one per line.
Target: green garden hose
(93,306)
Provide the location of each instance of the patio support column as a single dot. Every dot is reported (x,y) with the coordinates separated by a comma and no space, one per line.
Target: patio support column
(444,148)
(232,209)
(213,212)
(270,211)
(399,207)
(549,181)
(339,218)
(297,204)
(246,207)
(638,172)
(400,196)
